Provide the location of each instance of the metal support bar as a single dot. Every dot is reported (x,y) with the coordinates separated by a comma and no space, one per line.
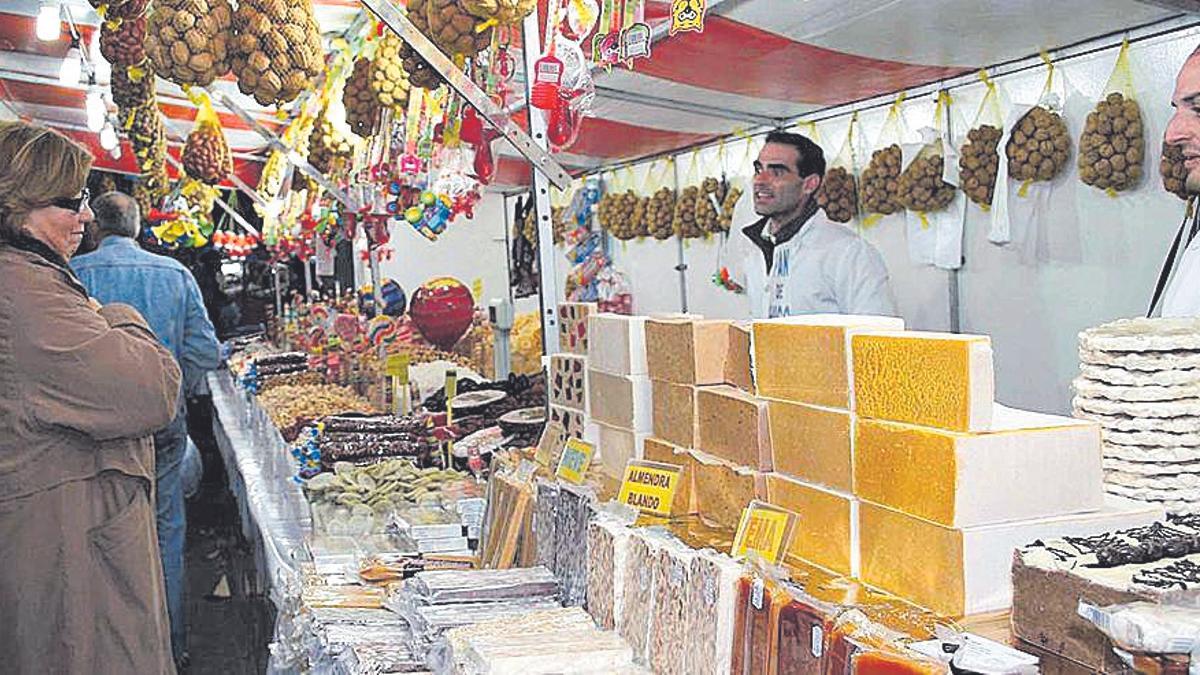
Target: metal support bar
(537,153)
(277,144)
(548,296)
(684,106)
(681,254)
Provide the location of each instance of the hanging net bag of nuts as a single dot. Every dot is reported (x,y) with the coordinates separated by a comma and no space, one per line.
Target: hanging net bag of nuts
(838,195)
(1039,145)
(660,212)
(879,184)
(1112,147)
(928,190)
(206,155)
(979,159)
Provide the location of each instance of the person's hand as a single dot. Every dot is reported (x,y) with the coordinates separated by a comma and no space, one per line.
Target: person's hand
(94,303)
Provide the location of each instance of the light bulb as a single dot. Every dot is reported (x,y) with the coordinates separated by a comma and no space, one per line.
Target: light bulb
(103,69)
(115,153)
(96,110)
(49,22)
(108,137)
(72,67)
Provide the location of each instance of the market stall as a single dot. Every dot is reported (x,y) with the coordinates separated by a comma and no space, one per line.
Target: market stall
(514,443)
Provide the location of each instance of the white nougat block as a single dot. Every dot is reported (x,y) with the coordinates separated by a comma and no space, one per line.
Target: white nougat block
(962,571)
(1029,465)
(622,401)
(616,447)
(618,344)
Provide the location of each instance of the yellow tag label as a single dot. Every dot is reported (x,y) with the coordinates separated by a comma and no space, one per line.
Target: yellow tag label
(870,220)
(764,529)
(650,486)
(477,289)
(573,465)
(397,366)
(924,220)
(1024,189)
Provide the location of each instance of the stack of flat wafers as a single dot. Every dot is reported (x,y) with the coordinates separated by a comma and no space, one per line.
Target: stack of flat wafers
(1140,380)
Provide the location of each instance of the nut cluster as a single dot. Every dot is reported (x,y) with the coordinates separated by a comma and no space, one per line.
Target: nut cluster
(1038,147)
(389,80)
(684,223)
(328,150)
(921,187)
(616,214)
(838,195)
(276,51)
(1173,171)
(121,9)
(660,214)
(449,26)
(148,135)
(707,217)
(979,164)
(133,87)
(358,97)
(206,155)
(505,12)
(122,41)
(188,40)
(880,181)
(1112,147)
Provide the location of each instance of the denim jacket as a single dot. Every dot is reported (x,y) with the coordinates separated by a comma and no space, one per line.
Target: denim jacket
(166,294)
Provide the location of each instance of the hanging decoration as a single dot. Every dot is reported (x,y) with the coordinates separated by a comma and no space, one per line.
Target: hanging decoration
(687,15)
(636,37)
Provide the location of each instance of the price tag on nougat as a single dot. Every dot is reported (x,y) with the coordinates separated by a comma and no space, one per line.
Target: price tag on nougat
(397,366)
(766,530)
(573,465)
(650,486)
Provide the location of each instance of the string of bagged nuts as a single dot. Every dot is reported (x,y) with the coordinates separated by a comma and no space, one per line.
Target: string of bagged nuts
(979,164)
(838,195)
(660,214)
(1173,170)
(1038,146)
(921,188)
(880,181)
(1112,147)
(358,97)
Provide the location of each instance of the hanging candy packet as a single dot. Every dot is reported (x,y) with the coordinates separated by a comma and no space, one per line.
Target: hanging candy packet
(838,195)
(879,183)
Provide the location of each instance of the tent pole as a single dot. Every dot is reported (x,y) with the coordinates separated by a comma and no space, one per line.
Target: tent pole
(548,296)
(680,255)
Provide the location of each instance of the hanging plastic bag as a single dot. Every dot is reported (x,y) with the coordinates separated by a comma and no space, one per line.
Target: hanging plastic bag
(206,156)
(983,170)
(1038,150)
(1112,148)
(927,189)
(661,209)
(684,222)
(838,195)
(879,182)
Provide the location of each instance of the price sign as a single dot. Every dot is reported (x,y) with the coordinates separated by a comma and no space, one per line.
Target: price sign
(397,366)
(765,529)
(550,445)
(573,465)
(650,486)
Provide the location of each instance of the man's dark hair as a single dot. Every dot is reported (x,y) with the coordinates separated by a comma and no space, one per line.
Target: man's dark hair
(812,159)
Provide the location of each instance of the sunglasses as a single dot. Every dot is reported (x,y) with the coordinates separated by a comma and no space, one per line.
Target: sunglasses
(75,204)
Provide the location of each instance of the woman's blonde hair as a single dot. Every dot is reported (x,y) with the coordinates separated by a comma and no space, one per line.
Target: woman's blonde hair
(37,165)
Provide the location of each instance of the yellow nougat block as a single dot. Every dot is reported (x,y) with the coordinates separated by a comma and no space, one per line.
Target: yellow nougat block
(811,444)
(732,425)
(805,359)
(738,371)
(1030,465)
(687,350)
(721,490)
(674,412)
(658,450)
(960,571)
(826,529)
(940,380)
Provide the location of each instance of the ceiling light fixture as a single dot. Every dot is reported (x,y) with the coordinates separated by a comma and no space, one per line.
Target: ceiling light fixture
(72,65)
(96,110)
(49,21)
(108,137)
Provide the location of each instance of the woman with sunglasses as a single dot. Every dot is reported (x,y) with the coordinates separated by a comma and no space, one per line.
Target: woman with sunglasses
(81,389)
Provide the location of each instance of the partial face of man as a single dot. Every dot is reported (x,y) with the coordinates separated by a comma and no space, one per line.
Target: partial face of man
(779,190)
(1184,128)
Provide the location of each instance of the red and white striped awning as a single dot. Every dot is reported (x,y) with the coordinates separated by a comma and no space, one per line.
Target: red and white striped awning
(758,62)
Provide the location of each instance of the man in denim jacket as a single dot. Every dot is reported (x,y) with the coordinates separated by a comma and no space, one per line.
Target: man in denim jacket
(167,295)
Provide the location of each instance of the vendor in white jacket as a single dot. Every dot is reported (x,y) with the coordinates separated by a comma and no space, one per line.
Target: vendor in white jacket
(794,260)
(1182,296)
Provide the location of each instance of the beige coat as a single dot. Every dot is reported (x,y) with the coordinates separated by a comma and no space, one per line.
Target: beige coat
(81,587)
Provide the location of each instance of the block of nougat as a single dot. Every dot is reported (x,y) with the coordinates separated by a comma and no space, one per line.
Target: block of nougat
(711,596)
(960,571)
(572,421)
(732,425)
(721,490)
(657,450)
(573,326)
(617,446)
(805,628)
(674,412)
(620,400)
(738,371)
(806,359)
(617,344)
(827,527)
(568,381)
(811,443)
(1029,465)
(669,640)
(608,546)
(941,380)
(634,618)
(687,350)
(756,625)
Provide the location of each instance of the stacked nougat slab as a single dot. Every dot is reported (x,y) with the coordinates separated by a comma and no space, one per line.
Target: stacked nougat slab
(905,472)
(618,389)
(567,387)
(1140,381)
